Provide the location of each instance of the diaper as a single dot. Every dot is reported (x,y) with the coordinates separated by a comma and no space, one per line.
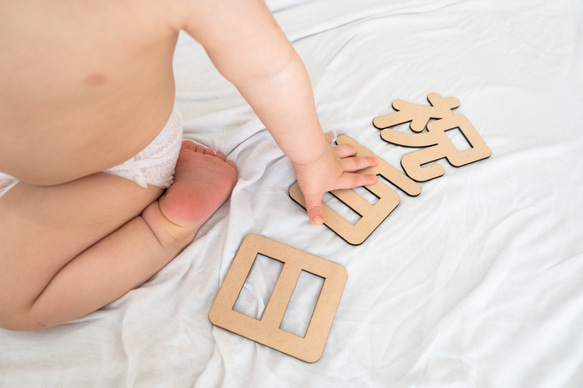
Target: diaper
(154,165)
(6,183)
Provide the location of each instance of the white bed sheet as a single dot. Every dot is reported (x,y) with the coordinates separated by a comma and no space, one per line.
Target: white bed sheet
(477,282)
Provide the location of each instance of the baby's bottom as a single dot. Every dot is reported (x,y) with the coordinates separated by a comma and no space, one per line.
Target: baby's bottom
(70,249)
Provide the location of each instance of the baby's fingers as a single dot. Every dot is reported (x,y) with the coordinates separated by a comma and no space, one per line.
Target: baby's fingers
(358,163)
(314,207)
(351,180)
(345,150)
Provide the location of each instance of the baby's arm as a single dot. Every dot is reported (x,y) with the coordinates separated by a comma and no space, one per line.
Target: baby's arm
(248,47)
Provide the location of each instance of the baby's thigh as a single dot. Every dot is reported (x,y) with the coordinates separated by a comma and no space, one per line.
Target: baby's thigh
(43,228)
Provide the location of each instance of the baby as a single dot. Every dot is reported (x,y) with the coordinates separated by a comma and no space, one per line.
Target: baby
(89,129)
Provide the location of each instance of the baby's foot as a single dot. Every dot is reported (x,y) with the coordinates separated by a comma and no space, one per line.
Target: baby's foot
(202,182)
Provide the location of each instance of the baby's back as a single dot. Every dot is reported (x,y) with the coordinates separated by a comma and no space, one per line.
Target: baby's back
(84,85)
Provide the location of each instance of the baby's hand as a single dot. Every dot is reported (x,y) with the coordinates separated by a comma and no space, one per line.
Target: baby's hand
(334,170)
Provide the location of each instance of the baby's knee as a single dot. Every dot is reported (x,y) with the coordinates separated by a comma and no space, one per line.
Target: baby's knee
(18,319)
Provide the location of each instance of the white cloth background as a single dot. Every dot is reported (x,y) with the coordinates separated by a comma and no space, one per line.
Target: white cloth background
(477,282)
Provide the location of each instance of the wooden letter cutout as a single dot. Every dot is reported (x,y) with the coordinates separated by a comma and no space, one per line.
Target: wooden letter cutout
(267,331)
(371,215)
(435,138)
(418,115)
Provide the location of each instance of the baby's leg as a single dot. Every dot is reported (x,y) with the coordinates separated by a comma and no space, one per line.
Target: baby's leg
(70,249)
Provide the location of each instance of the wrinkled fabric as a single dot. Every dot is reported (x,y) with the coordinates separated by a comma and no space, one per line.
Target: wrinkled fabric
(475,282)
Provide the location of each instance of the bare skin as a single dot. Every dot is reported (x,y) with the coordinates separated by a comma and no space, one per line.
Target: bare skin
(116,246)
(84,86)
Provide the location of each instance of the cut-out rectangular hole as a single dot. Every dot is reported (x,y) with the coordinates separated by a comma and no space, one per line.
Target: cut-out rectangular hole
(365,194)
(258,286)
(458,139)
(341,208)
(302,304)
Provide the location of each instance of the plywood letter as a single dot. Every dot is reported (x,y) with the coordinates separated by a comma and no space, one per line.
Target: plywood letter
(267,330)
(435,141)
(371,215)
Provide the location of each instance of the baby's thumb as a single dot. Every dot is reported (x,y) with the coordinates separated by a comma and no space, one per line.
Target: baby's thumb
(314,206)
